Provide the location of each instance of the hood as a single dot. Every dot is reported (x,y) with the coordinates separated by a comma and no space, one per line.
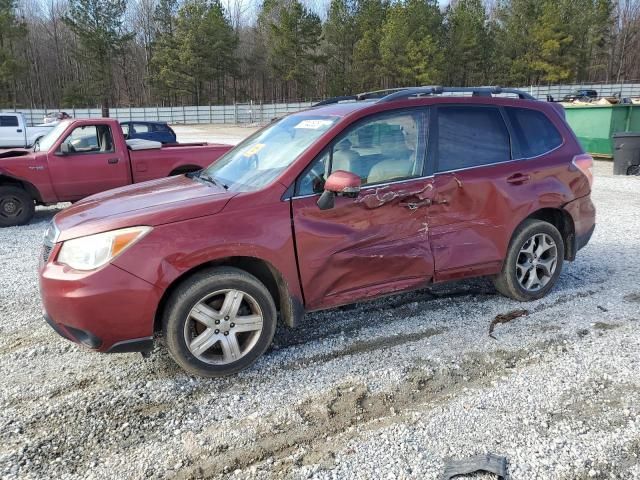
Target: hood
(150,203)
(15,152)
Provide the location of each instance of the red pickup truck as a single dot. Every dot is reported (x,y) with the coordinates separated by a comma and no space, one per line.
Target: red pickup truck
(81,157)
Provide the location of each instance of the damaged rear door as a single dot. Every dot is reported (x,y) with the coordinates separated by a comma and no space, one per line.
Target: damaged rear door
(378,242)
(480,191)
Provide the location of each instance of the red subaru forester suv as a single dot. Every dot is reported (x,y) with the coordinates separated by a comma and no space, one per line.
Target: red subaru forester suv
(353,199)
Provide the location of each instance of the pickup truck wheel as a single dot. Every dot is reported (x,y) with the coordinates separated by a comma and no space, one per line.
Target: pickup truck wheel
(533,263)
(16,206)
(219,321)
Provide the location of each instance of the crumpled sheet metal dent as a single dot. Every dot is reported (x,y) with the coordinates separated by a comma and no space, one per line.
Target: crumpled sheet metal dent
(384,195)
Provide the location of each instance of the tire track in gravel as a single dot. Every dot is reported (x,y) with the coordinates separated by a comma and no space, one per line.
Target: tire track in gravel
(364,347)
(327,422)
(330,323)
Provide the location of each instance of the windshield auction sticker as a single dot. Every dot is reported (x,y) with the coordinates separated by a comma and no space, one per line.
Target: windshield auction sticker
(251,151)
(314,124)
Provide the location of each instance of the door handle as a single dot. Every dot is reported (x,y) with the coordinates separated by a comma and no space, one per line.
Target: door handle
(113,161)
(518,178)
(19,130)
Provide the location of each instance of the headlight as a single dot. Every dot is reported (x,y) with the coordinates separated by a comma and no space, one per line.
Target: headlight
(88,253)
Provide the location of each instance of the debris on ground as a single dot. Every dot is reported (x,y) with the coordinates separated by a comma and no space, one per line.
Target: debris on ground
(506,317)
(481,463)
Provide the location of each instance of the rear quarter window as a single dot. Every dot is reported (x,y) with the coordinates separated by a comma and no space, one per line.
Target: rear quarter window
(8,121)
(534,132)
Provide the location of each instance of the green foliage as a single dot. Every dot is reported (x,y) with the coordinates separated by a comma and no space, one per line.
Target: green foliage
(340,38)
(99,27)
(197,49)
(411,50)
(370,18)
(550,40)
(468,44)
(191,51)
(12,30)
(292,33)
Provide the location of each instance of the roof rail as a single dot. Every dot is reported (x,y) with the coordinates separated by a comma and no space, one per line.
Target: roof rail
(393,94)
(360,96)
(437,90)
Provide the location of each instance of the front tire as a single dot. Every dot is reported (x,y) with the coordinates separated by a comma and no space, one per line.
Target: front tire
(533,263)
(16,206)
(219,322)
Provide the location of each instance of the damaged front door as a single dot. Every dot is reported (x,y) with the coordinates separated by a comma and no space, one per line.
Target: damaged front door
(378,242)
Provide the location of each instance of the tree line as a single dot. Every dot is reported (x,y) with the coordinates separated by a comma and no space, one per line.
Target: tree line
(64,53)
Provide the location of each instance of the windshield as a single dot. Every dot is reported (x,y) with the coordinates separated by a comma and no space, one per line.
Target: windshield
(50,138)
(258,160)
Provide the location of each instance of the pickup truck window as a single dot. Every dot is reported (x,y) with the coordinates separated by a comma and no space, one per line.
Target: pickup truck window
(90,139)
(8,121)
(51,138)
(258,160)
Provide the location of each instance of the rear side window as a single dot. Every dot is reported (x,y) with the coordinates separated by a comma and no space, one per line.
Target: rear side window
(141,127)
(534,132)
(8,121)
(470,137)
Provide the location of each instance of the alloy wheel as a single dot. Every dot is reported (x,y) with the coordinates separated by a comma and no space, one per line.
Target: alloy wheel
(536,262)
(223,327)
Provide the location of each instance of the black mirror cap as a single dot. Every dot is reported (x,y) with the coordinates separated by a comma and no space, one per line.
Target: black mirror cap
(327,200)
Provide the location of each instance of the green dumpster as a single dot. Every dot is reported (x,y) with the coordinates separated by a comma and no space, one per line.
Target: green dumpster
(594,125)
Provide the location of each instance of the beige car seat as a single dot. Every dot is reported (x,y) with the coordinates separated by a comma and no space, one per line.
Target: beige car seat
(398,159)
(344,158)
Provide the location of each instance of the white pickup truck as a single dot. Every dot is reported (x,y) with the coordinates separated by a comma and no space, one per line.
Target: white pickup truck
(14,131)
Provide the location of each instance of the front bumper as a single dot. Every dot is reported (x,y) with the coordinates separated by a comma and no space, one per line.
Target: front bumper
(107,310)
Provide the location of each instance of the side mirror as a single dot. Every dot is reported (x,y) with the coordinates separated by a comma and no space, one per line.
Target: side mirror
(341,183)
(64,149)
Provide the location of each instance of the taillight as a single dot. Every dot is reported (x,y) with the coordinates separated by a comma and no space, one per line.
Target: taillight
(584,163)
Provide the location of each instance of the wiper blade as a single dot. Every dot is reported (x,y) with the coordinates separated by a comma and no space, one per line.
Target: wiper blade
(202,175)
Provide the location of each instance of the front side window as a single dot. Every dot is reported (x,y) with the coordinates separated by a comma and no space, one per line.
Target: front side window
(535,133)
(262,157)
(471,136)
(384,148)
(90,139)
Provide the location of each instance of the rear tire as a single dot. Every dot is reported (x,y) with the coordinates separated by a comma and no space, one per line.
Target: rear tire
(634,170)
(219,322)
(533,263)
(16,206)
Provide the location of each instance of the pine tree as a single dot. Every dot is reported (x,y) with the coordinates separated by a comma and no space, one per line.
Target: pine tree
(293,36)
(11,31)
(411,52)
(468,44)
(99,27)
(370,19)
(195,53)
(340,38)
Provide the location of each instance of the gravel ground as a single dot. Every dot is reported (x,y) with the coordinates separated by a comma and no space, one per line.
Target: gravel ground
(213,133)
(386,389)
